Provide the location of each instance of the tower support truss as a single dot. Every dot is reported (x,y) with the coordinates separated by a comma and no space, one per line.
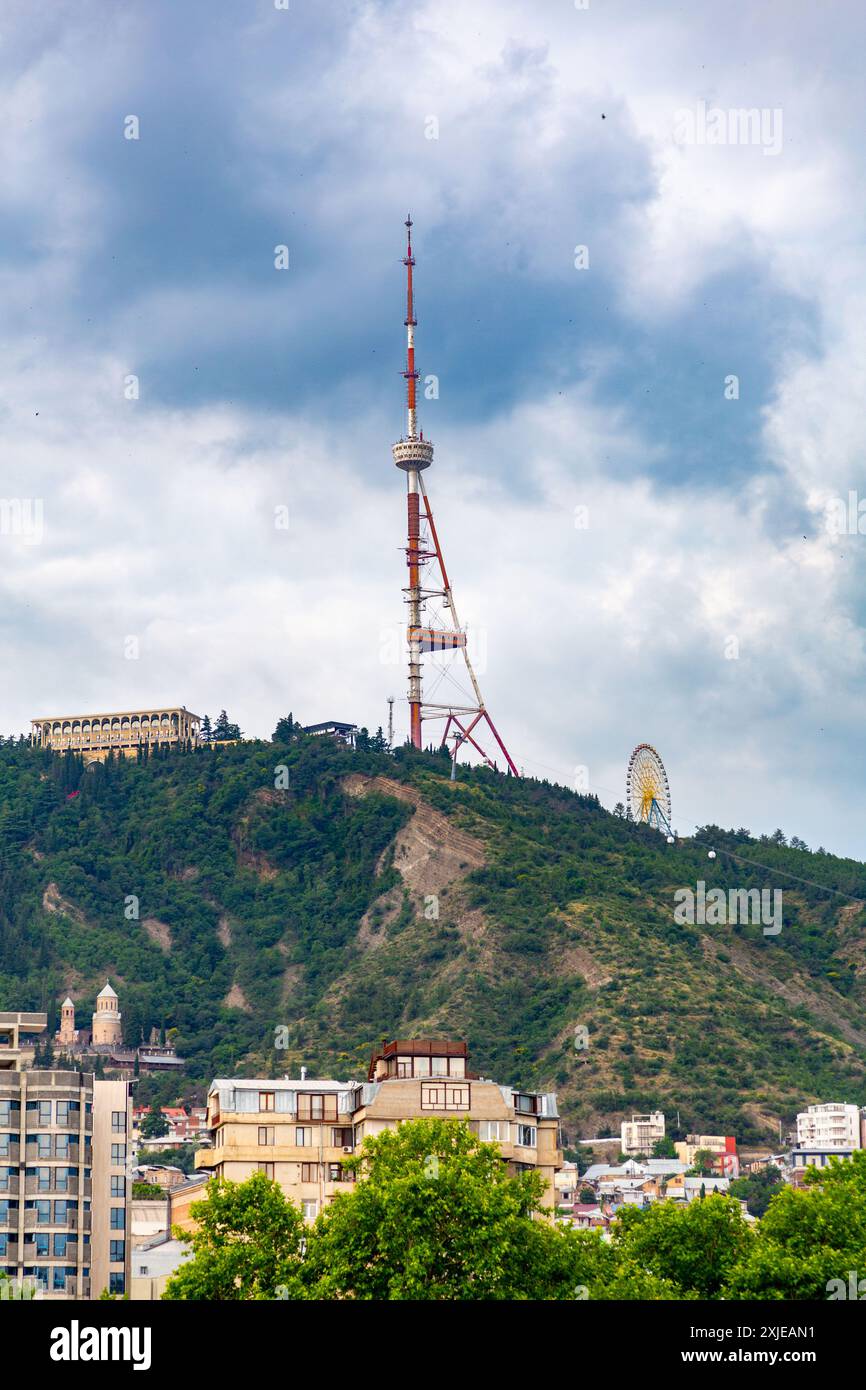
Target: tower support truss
(464,723)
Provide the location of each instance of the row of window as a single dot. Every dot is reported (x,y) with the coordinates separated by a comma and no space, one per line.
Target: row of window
(47,1145)
(311,1172)
(64,1112)
(341,1138)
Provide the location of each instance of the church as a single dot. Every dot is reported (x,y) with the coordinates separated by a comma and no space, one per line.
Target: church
(105,1038)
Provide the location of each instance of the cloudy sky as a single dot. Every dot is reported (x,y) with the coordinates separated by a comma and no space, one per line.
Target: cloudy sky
(638,444)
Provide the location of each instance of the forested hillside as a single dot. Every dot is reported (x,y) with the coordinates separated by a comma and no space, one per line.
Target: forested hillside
(301,894)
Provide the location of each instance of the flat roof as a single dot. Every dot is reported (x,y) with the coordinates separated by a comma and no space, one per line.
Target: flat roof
(116,714)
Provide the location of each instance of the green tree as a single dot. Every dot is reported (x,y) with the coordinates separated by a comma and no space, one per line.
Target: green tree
(247,1245)
(695,1247)
(664,1148)
(809,1236)
(757,1189)
(154,1125)
(285,730)
(436,1216)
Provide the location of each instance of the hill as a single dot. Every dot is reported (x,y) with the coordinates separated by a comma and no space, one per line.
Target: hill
(371,897)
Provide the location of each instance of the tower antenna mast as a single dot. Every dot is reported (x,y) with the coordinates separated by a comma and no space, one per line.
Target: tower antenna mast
(412,455)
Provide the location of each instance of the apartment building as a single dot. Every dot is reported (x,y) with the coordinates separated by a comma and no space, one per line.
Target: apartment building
(723,1148)
(830,1126)
(300,1132)
(63,1183)
(641,1132)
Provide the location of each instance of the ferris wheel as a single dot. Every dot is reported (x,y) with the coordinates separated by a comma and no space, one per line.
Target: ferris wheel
(648,795)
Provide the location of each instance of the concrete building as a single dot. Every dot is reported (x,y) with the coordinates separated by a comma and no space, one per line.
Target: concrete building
(723,1148)
(830,1126)
(107,1030)
(95,735)
(20,1034)
(153,1264)
(641,1132)
(63,1185)
(300,1132)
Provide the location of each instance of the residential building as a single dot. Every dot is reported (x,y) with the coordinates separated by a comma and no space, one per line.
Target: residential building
(812,1156)
(153,1264)
(830,1126)
(63,1183)
(96,735)
(642,1132)
(158,1174)
(182,1196)
(300,1131)
(723,1148)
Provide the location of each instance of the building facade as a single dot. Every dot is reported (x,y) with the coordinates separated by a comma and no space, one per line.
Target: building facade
(641,1132)
(830,1126)
(95,735)
(300,1132)
(20,1035)
(63,1185)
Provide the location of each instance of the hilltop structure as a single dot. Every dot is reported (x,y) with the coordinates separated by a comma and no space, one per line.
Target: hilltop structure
(96,735)
(464,719)
(105,1039)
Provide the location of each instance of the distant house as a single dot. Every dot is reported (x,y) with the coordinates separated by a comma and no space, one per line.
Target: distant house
(346,733)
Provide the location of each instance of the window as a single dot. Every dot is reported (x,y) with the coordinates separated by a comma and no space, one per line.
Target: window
(118,1155)
(310,1209)
(67,1112)
(525,1105)
(266,1100)
(6,1141)
(40,1242)
(116,1283)
(439,1066)
(117,1251)
(309,1172)
(343,1138)
(303,1136)
(118,1187)
(61,1239)
(62,1209)
(118,1219)
(266,1134)
(317,1107)
(494,1131)
(118,1121)
(44,1112)
(266,1168)
(61,1146)
(43,1212)
(335,1172)
(527,1136)
(444,1095)
(43,1146)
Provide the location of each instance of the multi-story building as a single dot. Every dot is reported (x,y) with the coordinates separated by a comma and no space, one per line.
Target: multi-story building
(641,1132)
(723,1148)
(830,1126)
(95,735)
(301,1131)
(63,1182)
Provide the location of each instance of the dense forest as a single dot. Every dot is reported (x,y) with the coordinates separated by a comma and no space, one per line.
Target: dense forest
(272,904)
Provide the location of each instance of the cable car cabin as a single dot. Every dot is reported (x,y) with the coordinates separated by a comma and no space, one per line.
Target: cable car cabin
(437,639)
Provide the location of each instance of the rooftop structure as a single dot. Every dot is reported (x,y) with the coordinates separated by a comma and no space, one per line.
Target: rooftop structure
(19,1036)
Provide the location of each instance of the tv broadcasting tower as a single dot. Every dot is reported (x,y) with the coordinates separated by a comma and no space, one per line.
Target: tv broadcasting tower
(468,718)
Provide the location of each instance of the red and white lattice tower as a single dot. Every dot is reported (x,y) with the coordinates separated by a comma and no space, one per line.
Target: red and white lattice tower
(465,720)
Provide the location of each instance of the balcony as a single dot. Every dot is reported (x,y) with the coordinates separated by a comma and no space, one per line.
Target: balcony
(69,1222)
